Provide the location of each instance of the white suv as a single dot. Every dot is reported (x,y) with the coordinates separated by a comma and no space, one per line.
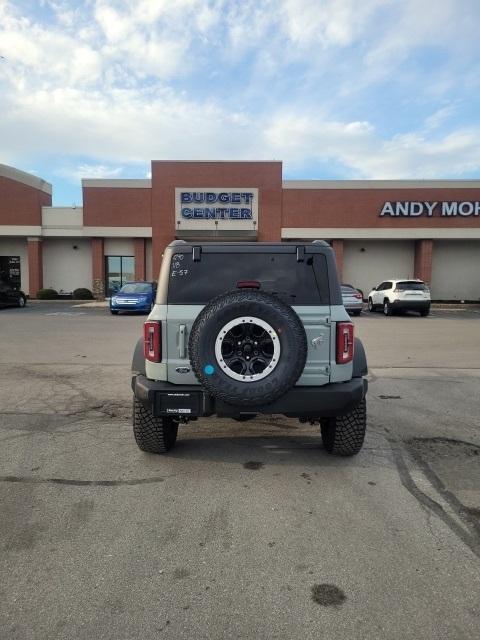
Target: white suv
(400,295)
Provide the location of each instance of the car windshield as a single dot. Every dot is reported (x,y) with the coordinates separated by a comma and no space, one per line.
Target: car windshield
(411,285)
(136,287)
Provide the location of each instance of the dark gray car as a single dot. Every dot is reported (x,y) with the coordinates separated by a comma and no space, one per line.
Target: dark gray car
(352,300)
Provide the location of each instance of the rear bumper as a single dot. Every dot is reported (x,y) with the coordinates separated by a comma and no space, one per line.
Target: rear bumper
(354,306)
(412,305)
(299,402)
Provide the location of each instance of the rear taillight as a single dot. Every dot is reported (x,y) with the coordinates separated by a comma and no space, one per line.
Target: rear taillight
(358,296)
(152,340)
(344,342)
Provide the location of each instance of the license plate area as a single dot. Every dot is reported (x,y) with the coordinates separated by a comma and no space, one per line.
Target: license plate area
(178,403)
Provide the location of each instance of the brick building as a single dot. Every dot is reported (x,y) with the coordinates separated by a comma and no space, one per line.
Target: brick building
(378,229)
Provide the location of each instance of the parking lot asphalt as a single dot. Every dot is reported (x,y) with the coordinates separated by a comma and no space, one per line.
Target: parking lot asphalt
(233,534)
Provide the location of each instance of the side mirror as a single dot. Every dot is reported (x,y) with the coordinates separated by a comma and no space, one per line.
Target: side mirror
(374,289)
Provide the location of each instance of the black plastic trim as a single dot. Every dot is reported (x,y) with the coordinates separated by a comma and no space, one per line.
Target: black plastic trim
(299,402)
(360,367)
(414,305)
(138,362)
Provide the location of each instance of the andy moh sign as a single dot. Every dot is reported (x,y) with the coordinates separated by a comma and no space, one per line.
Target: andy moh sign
(413,209)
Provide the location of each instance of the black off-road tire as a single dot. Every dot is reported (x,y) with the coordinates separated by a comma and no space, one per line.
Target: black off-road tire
(371,306)
(153,434)
(344,435)
(267,307)
(424,312)
(22,301)
(387,308)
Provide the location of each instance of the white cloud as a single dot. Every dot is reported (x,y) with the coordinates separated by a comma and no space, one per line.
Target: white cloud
(417,25)
(365,154)
(439,117)
(121,82)
(76,174)
(327,23)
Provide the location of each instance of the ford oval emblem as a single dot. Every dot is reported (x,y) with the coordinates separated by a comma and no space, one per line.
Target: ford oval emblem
(182,369)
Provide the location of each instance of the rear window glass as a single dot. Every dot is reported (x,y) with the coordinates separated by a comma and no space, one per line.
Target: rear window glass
(410,285)
(296,283)
(347,289)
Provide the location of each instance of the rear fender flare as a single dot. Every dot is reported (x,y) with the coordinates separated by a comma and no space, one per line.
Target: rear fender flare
(360,367)
(138,361)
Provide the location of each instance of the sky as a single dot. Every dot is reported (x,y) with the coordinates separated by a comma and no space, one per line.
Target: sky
(336,89)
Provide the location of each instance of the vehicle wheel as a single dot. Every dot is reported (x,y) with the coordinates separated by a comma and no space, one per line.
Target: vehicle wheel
(424,312)
(387,308)
(22,301)
(344,435)
(356,313)
(153,434)
(247,348)
(114,313)
(371,306)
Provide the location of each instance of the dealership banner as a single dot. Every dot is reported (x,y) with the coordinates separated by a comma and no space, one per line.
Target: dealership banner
(413,209)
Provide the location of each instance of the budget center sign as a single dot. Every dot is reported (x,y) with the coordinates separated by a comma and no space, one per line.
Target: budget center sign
(230,213)
(216,204)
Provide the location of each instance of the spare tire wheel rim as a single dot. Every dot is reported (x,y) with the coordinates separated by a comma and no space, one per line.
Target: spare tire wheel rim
(247,349)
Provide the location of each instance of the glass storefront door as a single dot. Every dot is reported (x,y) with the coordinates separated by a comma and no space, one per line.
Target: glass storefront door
(118,271)
(10,270)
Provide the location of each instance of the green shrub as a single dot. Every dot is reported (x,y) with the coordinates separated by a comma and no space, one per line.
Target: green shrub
(47,294)
(82,294)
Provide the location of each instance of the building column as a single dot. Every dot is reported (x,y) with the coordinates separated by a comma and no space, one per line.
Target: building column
(140,271)
(337,246)
(423,260)
(35,266)
(98,268)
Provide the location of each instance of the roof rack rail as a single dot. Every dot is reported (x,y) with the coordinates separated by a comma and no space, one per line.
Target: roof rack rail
(322,243)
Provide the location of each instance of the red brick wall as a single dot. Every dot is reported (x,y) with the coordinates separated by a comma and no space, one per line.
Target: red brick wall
(35,266)
(139,245)
(337,246)
(362,207)
(116,207)
(423,260)
(98,267)
(21,204)
(266,176)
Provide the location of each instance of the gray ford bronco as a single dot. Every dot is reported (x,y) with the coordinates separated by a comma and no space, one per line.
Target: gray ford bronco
(241,329)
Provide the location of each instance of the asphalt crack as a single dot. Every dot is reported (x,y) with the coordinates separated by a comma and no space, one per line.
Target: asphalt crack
(82,483)
(470,535)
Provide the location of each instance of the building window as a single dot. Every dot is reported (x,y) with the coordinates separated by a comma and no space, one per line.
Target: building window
(10,270)
(118,271)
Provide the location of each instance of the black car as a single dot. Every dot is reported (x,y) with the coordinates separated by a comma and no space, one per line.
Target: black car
(11,296)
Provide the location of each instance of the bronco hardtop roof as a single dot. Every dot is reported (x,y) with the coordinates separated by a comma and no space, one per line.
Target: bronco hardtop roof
(317,246)
(301,252)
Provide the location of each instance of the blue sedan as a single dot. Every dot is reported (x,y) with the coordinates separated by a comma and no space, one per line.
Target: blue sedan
(134,296)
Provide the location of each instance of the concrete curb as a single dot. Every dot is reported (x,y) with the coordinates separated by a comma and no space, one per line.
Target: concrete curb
(96,303)
(73,303)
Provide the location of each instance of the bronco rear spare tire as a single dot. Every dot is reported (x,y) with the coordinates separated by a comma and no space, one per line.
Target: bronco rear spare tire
(247,347)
